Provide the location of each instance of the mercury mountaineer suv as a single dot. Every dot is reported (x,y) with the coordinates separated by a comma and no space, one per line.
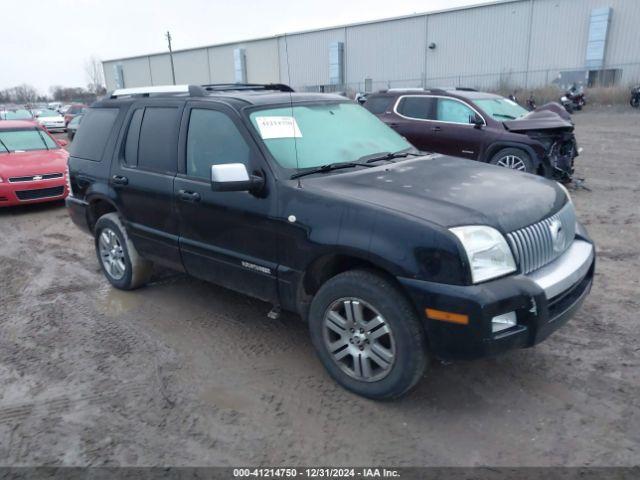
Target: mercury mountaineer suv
(311,203)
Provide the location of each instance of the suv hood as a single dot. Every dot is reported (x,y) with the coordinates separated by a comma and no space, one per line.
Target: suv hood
(540,119)
(450,192)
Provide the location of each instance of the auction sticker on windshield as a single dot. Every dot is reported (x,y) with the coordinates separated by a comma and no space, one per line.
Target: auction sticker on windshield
(278,127)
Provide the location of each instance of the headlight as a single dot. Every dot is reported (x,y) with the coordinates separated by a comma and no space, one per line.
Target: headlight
(487,250)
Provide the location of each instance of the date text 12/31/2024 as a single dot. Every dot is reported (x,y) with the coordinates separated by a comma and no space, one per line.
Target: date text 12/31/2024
(315,473)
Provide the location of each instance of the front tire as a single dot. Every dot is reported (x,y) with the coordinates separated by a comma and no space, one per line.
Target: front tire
(635,102)
(368,335)
(120,261)
(513,158)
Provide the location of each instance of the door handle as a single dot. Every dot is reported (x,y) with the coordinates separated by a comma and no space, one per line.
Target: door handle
(187,196)
(119,180)
(393,124)
(436,129)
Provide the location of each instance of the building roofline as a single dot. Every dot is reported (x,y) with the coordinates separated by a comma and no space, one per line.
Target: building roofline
(321,29)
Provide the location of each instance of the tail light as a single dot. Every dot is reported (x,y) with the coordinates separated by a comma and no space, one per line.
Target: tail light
(68,177)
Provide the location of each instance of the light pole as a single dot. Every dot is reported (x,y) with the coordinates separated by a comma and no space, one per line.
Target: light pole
(173,72)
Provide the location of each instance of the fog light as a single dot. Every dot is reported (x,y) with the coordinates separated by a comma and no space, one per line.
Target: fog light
(504,321)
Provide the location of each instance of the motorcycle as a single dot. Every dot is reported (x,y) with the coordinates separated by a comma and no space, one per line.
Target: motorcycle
(635,97)
(566,103)
(576,96)
(531,103)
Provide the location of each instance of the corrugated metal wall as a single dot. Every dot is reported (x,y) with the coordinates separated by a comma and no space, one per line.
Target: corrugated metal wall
(480,41)
(381,50)
(308,56)
(524,43)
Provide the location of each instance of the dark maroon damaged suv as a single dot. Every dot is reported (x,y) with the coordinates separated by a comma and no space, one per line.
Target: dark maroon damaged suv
(481,126)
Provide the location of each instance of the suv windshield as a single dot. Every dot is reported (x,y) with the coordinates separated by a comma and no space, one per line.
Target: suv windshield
(24,140)
(501,108)
(307,136)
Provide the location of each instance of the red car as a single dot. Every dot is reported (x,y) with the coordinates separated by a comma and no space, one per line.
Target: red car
(33,165)
(75,109)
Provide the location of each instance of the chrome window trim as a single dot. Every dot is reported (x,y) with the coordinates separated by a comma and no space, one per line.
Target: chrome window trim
(395,110)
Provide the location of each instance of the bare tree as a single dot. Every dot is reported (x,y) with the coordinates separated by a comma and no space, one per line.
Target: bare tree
(23,94)
(95,75)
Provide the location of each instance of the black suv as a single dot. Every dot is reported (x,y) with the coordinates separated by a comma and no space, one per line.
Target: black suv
(481,126)
(309,202)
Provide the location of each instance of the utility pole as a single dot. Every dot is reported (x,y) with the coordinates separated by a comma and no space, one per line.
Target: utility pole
(173,72)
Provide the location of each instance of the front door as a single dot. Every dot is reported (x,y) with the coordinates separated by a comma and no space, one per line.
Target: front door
(457,135)
(228,238)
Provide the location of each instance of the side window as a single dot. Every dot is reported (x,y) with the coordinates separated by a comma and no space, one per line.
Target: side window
(158,144)
(378,105)
(417,107)
(213,139)
(131,144)
(91,140)
(453,111)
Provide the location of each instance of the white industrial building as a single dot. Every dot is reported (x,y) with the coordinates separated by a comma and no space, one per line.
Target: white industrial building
(519,43)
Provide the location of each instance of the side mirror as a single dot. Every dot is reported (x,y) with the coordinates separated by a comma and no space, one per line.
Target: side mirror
(234,177)
(476,120)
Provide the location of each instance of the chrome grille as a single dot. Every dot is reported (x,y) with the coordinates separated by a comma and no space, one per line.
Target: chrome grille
(34,178)
(538,244)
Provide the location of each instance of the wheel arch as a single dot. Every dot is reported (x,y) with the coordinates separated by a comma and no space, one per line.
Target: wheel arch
(97,206)
(494,148)
(324,267)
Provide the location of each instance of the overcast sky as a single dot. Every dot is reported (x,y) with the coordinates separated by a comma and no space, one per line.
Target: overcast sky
(45,43)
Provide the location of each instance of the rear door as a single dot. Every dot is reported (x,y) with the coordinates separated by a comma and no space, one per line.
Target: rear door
(228,238)
(142,177)
(413,119)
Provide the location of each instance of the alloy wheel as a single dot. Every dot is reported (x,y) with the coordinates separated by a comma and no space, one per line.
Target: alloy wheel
(359,339)
(513,162)
(112,254)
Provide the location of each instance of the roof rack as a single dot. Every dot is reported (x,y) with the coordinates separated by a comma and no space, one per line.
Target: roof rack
(196,90)
(191,90)
(466,89)
(221,87)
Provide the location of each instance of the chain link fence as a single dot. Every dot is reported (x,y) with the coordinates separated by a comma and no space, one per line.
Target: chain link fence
(620,75)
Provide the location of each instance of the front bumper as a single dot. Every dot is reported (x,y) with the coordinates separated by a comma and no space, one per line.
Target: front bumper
(21,193)
(543,302)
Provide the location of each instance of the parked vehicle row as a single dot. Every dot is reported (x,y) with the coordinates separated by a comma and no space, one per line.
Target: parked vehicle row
(311,203)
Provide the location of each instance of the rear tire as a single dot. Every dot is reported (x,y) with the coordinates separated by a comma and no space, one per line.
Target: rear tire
(635,102)
(513,158)
(368,335)
(120,261)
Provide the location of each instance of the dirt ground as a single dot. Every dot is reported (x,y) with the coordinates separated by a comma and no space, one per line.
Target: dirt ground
(185,373)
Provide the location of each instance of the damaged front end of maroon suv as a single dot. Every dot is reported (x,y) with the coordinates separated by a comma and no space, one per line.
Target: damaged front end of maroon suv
(482,126)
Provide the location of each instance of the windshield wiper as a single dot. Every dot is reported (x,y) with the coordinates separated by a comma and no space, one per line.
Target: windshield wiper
(42,138)
(387,156)
(5,147)
(329,167)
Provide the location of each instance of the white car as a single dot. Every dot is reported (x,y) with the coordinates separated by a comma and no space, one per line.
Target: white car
(51,120)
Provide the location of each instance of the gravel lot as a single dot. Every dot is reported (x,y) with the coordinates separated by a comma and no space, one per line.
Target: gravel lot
(185,373)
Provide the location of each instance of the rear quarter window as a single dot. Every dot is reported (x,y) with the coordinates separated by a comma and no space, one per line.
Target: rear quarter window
(90,141)
(378,105)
